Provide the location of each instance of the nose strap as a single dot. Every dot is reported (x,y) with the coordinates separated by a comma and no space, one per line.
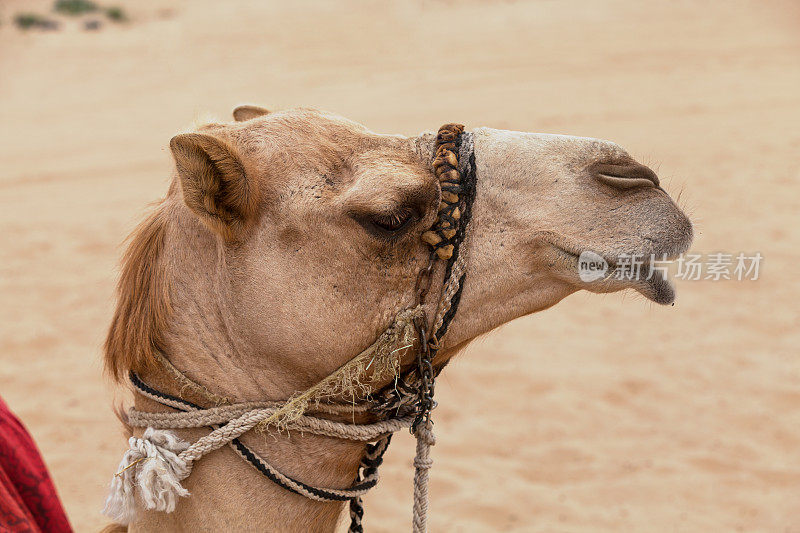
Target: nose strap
(455,270)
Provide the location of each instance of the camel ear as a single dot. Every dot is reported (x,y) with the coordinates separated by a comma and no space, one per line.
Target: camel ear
(246,112)
(214,183)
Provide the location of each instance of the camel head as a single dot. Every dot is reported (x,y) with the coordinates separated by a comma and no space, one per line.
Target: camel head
(289,240)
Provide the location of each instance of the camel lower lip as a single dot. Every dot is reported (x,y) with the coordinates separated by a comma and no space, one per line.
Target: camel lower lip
(653,283)
(658,289)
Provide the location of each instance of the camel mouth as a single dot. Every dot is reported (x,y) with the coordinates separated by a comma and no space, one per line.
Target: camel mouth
(628,272)
(612,272)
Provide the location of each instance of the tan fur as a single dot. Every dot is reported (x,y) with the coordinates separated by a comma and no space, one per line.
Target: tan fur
(263,271)
(143,302)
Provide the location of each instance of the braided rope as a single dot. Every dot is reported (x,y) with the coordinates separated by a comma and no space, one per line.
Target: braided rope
(341,409)
(373,457)
(442,236)
(457,176)
(402,393)
(155,464)
(456,267)
(312,493)
(450,290)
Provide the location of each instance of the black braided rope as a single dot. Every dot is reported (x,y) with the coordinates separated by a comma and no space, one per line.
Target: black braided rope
(373,458)
(141,385)
(404,391)
(468,189)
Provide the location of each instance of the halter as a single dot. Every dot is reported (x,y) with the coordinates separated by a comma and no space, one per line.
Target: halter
(157,463)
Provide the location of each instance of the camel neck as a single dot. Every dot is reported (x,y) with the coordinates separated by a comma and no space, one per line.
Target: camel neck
(202,343)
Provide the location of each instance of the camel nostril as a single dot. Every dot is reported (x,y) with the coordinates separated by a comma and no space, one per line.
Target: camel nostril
(625,176)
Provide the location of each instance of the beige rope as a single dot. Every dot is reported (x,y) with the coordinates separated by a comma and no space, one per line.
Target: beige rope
(453,284)
(422,464)
(224,414)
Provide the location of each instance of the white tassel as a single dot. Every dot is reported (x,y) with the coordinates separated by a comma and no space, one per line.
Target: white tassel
(151,465)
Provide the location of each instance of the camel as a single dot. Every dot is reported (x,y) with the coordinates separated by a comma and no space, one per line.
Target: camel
(288,241)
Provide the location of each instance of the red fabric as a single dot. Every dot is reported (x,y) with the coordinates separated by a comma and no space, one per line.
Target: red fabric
(28,499)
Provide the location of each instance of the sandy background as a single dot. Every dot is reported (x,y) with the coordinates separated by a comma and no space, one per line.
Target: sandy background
(606,413)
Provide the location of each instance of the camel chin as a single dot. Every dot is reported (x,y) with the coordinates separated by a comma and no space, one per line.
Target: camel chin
(659,289)
(610,273)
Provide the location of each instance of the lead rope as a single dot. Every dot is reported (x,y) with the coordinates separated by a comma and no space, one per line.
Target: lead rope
(454,166)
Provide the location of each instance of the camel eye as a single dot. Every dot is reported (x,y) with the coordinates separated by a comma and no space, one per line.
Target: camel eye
(393,222)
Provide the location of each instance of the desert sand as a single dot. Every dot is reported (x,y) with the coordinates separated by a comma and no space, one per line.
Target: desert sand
(605,413)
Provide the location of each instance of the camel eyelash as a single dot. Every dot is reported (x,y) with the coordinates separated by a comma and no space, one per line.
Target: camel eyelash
(393,221)
(388,225)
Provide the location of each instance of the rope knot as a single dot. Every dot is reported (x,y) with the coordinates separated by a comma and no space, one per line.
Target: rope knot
(152,467)
(424,433)
(423,464)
